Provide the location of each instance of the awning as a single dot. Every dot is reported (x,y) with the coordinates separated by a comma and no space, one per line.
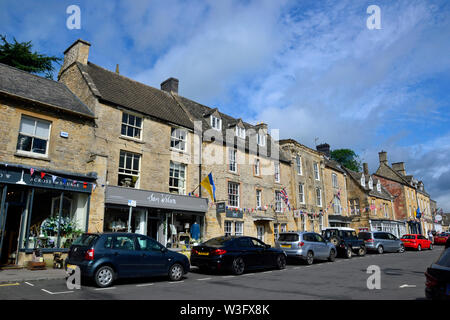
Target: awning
(263,218)
(153,199)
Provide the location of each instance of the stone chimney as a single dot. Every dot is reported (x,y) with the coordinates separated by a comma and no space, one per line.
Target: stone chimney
(399,167)
(170,85)
(77,52)
(366,168)
(324,148)
(383,157)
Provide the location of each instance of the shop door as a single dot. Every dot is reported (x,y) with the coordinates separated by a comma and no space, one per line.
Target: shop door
(260,232)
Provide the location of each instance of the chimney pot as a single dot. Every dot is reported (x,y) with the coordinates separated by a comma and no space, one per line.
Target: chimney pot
(366,168)
(170,85)
(76,52)
(324,148)
(383,157)
(399,167)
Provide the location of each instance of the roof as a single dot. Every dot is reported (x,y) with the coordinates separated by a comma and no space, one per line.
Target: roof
(286,141)
(122,91)
(384,194)
(333,164)
(24,85)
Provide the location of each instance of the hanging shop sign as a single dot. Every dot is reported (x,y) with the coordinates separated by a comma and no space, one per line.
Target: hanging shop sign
(220,207)
(230,213)
(33,178)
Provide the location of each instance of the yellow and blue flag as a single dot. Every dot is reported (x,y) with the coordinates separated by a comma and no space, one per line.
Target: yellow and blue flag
(208,184)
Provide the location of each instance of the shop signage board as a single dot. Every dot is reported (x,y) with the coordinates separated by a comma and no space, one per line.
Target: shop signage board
(23,177)
(220,207)
(153,199)
(234,214)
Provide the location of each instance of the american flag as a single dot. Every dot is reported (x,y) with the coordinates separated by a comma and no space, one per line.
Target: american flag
(285,198)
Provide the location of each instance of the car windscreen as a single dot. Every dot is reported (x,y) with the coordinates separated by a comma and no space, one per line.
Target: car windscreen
(364,236)
(85,240)
(218,242)
(288,237)
(444,259)
(409,237)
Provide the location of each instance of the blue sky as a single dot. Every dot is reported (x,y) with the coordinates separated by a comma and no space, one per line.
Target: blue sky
(309,68)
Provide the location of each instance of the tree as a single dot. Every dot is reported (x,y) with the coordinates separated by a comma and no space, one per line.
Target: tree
(348,158)
(20,56)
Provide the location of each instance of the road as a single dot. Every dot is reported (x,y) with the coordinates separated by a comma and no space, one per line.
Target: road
(401,278)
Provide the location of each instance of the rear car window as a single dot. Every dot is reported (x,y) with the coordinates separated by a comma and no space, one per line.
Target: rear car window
(218,242)
(288,237)
(444,259)
(409,237)
(364,236)
(85,240)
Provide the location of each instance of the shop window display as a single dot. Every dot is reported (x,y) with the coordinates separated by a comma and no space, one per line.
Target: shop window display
(57,219)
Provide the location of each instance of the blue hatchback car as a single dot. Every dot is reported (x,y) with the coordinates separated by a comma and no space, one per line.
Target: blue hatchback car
(106,257)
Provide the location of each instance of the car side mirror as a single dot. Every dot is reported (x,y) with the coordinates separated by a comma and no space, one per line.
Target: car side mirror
(268,246)
(164,250)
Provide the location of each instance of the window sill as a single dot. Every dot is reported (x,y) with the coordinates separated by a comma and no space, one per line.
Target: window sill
(183,152)
(132,139)
(32,156)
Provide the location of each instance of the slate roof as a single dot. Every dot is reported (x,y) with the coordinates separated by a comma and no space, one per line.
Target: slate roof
(24,85)
(333,164)
(119,90)
(384,194)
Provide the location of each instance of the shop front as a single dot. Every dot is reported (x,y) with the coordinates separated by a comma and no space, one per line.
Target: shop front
(40,209)
(339,221)
(397,228)
(174,220)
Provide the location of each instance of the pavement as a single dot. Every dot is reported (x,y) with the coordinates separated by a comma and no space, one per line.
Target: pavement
(21,275)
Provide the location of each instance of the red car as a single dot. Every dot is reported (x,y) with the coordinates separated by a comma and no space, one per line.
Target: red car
(441,238)
(416,241)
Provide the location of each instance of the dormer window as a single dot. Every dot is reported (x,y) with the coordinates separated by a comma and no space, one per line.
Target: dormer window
(261,139)
(370,183)
(240,132)
(216,123)
(379,186)
(363,181)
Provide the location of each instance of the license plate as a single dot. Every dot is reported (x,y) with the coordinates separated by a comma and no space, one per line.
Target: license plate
(286,246)
(203,253)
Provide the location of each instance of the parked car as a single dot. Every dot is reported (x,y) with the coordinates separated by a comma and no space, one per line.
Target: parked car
(441,238)
(307,246)
(345,240)
(416,241)
(105,257)
(236,254)
(381,242)
(437,284)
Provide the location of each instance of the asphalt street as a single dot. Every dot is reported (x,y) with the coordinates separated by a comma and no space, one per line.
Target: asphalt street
(401,278)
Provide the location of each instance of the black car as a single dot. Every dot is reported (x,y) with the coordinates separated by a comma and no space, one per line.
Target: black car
(108,256)
(437,285)
(345,240)
(236,254)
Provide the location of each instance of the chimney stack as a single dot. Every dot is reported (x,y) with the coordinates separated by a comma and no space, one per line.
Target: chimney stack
(77,52)
(170,85)
(366,168)
(324,148)
(399,167)
(383,157)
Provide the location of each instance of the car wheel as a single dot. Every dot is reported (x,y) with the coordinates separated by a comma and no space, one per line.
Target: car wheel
(362,251)
(281,262)
(104,276)
(380,249)
(176,272)
(402,249)
(238,266)
(348,253)
(309,258)
(332,256)
(419,248)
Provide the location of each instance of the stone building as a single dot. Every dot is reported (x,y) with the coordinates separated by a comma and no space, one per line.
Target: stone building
(308,193)
(370,203)
(335,191)
(395,180)
(47,179)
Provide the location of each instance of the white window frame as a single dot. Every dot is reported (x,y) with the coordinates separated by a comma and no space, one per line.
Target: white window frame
(176,135)
(240,132)
(257,167)
(283,227)
(301,193)
(276,230)
(233,191)
(261,139)
(379,186)
(319,197)
(337,208)
(232,157)
(278,201)
(131,125)
(363,180)
(334,180)
(34,136)
(370,183)
(216,123)
(298,161)
(239,228)
(277,171)
(132,172)
(181,169)
(228,228)
(316,171)
(258,198)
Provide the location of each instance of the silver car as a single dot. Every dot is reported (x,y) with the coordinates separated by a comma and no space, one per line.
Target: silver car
(307,246)
(381,242)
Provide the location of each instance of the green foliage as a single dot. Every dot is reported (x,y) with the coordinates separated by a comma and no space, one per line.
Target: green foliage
(19,55)
(348,158)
